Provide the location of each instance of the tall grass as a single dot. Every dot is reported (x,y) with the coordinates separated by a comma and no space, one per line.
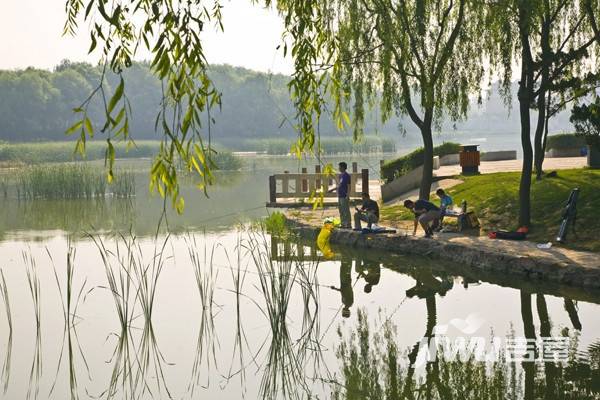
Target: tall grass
(206,276)
(35,290)
(71,181)
(132,282)
(284,374)
(5,376)
(238,277)
(70,300)
(4,186)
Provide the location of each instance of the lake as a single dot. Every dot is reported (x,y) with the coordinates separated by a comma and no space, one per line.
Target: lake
(105,305)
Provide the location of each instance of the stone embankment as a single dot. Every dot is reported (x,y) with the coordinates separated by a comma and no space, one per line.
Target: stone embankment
(517,259)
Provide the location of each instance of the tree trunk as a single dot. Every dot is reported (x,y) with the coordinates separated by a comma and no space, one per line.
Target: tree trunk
(539,135)
(529,332)
(525,97)
(541,100)
(525,185)
(427,178)
(550,391)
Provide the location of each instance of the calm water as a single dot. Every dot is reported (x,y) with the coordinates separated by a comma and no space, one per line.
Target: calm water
(219,309)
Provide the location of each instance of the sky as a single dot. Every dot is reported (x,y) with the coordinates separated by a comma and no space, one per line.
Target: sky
(31,36)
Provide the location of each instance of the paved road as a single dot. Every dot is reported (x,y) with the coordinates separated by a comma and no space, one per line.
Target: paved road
(489,167)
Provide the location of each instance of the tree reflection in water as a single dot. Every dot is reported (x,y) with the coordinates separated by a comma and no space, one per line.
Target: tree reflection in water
(374,367)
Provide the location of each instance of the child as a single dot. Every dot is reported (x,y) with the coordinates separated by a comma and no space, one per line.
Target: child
(445,203)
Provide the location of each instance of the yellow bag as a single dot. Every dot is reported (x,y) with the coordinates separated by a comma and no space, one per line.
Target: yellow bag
(323,240)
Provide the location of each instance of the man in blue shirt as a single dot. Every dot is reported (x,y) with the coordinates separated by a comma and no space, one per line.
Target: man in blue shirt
(426,213)
(343,189)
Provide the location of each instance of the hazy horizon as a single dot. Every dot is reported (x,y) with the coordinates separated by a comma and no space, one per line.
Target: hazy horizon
(250,39)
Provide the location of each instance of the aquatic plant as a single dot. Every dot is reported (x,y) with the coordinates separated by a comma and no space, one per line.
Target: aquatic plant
(132,281)
(33,281)
(71,181)
(275,224)
(5,376)
(284,368)
(238,277)
(70,301)
(206,276)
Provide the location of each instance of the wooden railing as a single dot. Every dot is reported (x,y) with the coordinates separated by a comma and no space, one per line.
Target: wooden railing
(305,185)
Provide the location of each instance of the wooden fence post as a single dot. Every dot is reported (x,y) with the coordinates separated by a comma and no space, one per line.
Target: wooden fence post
(365,180)
(272,189)
(354,167)
(304,182)
(318,182)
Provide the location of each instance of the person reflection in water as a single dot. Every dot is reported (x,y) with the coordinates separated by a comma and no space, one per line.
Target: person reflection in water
(346,286)
(371,272)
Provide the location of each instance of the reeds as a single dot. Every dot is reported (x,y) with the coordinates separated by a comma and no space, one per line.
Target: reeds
(238,277)
(35,289)
(132,283)
(70,300)
(206,276)
(284,374)
(4,186)
(71,181)
(5,376)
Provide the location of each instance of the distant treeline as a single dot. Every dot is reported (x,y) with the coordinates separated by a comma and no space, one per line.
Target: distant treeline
(55,152)
(36,105)
(329,145)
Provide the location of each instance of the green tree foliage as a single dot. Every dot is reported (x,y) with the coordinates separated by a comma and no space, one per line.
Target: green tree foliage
(421,56)
(554,43)
(586,118)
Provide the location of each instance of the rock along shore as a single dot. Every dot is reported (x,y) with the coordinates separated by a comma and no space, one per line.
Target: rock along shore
(517,259)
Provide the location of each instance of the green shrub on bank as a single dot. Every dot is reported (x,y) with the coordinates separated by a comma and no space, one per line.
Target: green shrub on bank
(55,152)
(565,141)
(401,166)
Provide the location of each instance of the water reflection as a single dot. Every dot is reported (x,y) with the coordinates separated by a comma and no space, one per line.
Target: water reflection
(251,315)
(5,376)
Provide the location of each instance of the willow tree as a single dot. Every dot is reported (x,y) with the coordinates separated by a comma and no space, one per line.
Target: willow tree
(553,43)
(415,58)
(566,63)
(421,56)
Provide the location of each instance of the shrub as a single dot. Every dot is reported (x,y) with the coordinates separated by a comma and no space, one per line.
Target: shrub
(586,118)
(276,224)
(401,166)
(226,160)
(565,141)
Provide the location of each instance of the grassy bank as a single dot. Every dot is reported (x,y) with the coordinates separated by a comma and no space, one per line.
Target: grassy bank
(494,198)
(15,154)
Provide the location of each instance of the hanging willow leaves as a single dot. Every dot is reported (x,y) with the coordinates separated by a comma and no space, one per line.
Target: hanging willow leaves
(171,31)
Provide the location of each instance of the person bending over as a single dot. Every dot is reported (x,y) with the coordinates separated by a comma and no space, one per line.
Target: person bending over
(426,213)
(369,212)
